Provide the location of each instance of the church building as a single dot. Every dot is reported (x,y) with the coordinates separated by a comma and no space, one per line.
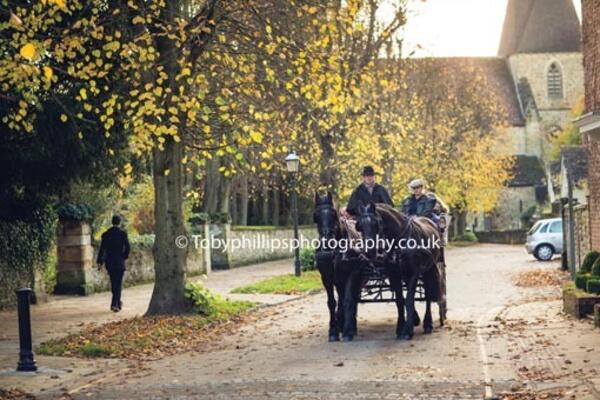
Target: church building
(541,79)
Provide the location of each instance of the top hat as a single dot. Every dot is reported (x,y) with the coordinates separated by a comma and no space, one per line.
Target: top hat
(368,171)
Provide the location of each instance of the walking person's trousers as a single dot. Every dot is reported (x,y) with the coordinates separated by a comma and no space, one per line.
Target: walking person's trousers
(116,284)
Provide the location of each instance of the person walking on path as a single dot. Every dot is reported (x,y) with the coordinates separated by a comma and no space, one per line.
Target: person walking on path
(114,250)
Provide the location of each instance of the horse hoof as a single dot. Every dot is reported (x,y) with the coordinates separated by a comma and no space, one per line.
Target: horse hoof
(427,330)
(348,338)
(334,338)
(404,336)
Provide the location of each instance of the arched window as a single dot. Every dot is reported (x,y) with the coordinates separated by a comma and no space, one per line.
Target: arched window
(555,83)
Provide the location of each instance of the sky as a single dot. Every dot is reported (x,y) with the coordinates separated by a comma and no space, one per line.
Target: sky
(449,28)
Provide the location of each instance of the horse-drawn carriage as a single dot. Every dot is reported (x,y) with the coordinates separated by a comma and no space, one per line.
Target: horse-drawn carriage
(375,284)
(396,273)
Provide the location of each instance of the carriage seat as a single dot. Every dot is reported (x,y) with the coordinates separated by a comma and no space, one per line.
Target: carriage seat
(353,235)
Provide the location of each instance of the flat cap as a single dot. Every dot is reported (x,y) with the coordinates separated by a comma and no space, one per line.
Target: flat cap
(415,183)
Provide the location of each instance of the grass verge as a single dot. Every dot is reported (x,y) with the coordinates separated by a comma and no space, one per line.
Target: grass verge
(150,337)
(284,284)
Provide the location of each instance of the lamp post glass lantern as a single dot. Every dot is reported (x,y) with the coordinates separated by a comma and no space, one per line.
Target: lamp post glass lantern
(292,162)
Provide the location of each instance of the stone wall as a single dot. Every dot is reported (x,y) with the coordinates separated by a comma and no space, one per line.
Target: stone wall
(140,266)
(517,236)
(582,232)
(591,49)
(255,244)
(247,245)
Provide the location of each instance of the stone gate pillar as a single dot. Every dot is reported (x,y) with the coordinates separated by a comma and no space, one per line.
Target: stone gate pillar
(75,258)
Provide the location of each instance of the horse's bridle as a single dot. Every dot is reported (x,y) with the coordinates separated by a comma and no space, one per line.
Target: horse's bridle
(337,227)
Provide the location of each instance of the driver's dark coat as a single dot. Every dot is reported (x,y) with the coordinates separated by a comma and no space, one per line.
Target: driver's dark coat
(361,194)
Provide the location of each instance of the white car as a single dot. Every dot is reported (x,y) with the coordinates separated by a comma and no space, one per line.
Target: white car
(545,239)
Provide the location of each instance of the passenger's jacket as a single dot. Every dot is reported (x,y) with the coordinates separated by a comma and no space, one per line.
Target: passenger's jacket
(114,248)
(361,194)
(421,207)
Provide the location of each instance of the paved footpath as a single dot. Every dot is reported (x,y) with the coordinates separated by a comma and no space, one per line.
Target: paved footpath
(500,339)
(67,314)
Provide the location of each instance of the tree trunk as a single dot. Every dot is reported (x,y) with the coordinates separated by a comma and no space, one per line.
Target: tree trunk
(254,212)
(211,186)
(244,201)
(234,204)
(224,195)
(327,176)
(461,222)
(169,260)
(276,205)
(265,205)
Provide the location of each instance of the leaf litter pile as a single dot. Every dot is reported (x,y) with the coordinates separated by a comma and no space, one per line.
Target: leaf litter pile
(15,394)
(147,337)
(540,277)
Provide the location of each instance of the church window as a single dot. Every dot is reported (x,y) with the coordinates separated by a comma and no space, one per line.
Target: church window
(555,82)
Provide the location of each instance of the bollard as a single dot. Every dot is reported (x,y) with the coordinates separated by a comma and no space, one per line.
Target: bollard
(26,360)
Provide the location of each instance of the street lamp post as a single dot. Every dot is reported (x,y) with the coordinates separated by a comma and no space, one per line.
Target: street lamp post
(292,162)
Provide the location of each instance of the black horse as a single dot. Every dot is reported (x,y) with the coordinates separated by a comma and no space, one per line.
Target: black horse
(332,265)
(403,263)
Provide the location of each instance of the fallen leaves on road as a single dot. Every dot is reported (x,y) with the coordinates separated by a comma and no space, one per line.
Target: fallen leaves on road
(530,395)
(15,394)
(540,277)
(143,338)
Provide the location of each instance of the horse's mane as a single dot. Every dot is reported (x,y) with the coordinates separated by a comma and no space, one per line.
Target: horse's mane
(324,202)
(402,226)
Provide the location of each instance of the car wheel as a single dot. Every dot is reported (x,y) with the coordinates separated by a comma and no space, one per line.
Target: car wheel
(544,252)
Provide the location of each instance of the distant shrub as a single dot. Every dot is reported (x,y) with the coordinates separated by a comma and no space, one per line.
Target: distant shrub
(75,212)
(308,260)
(593,286)
(588,261)
(467,237)
(527,215)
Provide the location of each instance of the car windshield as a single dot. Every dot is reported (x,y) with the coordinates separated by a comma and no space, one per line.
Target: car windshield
(534,228)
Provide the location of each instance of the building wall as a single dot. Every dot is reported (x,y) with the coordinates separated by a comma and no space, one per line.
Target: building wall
(593,147)
(534,67)
(591,49)
(513,202)
(553,113)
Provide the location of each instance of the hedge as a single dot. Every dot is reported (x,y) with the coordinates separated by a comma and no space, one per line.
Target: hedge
(581,280)
(593,286)
(588,262)
(596,267)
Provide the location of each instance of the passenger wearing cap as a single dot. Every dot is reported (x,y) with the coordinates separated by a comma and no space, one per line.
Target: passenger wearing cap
(368,191)
(420,203)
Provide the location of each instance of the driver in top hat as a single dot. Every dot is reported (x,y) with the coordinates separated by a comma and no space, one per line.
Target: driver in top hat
(368,191)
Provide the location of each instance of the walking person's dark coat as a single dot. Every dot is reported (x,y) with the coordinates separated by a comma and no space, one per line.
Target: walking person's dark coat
(114,250)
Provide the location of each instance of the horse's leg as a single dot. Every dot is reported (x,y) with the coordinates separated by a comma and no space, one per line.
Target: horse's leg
(349,307)
(409,327)
(327,278)
(429,281)
(356,289)
(396,284)
(340,277)
(428,320)
(417,319)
